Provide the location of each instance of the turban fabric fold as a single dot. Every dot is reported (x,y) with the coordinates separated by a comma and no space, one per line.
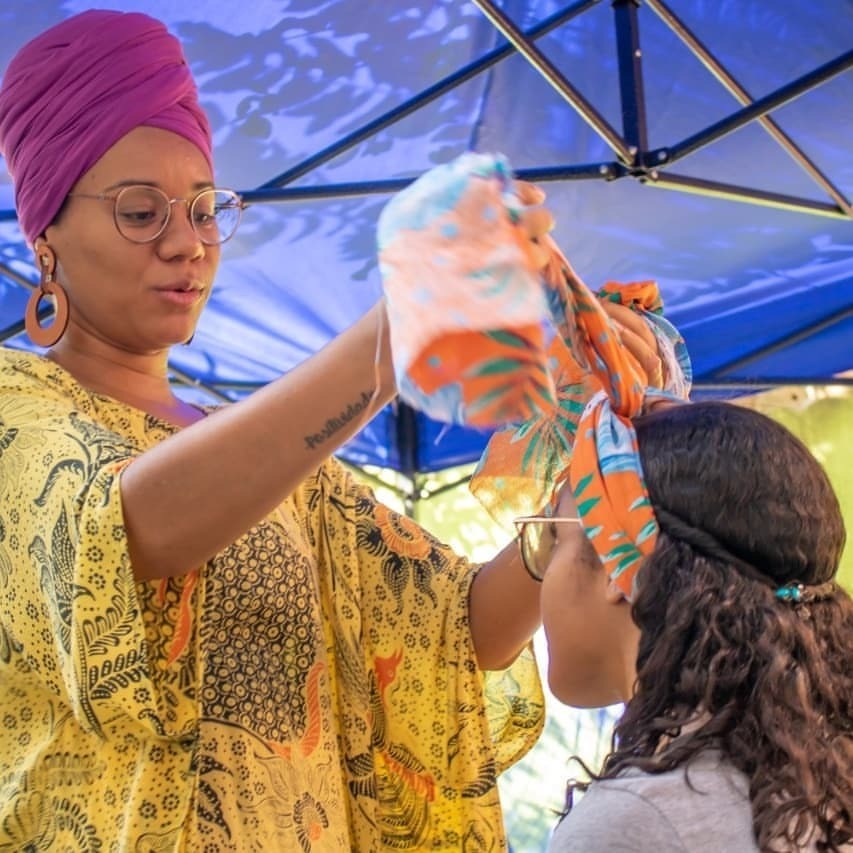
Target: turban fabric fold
(75,90)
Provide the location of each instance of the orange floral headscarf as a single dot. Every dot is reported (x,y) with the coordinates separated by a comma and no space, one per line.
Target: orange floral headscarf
(469,318)
(588,436)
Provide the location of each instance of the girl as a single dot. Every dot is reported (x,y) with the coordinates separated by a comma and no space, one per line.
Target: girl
(732,657)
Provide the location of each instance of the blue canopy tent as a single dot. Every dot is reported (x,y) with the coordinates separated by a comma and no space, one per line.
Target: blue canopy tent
(704,143)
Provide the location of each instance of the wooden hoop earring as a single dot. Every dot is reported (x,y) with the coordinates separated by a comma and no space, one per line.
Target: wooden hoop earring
(47,336)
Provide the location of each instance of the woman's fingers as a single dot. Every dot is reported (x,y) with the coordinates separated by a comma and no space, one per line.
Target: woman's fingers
(529,193)
(535,221)
(629,319)
(649,359)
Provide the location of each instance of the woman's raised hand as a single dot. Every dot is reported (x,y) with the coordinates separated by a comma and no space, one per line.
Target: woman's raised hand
(638,338)
(536,221)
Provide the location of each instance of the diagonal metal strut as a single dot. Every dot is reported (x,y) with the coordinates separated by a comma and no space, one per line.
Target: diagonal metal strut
(425,97)
(556,80)
(744,98)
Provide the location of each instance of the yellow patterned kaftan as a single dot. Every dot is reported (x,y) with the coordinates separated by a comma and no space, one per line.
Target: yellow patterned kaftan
(313,687)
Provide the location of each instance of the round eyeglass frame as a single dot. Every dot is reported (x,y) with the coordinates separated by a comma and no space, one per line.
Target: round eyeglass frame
(190,203)
(528,555)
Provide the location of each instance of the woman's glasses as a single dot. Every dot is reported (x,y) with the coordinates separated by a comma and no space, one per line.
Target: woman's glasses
(537,535)
(141,213)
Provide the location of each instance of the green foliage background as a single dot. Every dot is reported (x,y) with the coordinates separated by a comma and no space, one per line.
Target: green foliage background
(533,791)
(823,419)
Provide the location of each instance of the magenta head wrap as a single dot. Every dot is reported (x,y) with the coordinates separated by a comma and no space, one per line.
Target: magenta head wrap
(71,93)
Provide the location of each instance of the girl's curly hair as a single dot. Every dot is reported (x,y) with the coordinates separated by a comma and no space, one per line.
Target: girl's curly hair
(723,663)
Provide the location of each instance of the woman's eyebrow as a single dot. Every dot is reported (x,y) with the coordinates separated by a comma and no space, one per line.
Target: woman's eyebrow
(138,182)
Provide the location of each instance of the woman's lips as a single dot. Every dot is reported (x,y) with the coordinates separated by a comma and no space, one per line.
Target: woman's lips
(183,295)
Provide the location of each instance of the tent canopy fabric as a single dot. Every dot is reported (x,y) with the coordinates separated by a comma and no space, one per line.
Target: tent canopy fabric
(703,143)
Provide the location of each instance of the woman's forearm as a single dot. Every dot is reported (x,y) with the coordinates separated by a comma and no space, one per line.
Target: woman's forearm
(503,609)
(201,489)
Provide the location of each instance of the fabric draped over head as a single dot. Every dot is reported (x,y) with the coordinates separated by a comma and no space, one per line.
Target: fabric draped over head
(471,350)
(75,90)
(590,385)
(588,438)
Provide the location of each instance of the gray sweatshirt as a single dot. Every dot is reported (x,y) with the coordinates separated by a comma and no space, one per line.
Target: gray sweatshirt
(660,813)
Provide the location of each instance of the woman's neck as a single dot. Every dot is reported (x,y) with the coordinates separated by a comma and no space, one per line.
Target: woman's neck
(138,380)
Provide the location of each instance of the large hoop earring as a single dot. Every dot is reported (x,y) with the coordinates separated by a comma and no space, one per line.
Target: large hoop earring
(46,336)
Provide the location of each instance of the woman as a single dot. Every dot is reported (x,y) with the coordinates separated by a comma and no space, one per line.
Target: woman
(732,657)
(210,636)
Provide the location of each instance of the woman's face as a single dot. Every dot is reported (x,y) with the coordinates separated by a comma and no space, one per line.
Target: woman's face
(592,640)
(139,298)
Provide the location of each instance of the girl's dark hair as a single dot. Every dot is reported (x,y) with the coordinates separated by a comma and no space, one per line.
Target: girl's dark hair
(724,664)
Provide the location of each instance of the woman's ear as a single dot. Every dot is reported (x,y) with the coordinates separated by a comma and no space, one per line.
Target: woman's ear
(44,255)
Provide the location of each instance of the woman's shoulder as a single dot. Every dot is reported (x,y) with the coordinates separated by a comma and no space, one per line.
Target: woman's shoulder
(29,374)
(676,810)
(38,394)
(29,386)
(41,402)
(17,366)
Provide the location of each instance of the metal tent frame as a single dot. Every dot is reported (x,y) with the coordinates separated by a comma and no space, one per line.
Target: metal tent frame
(632,159)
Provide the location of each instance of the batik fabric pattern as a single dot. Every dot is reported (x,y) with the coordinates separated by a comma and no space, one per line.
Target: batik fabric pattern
(312,688)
